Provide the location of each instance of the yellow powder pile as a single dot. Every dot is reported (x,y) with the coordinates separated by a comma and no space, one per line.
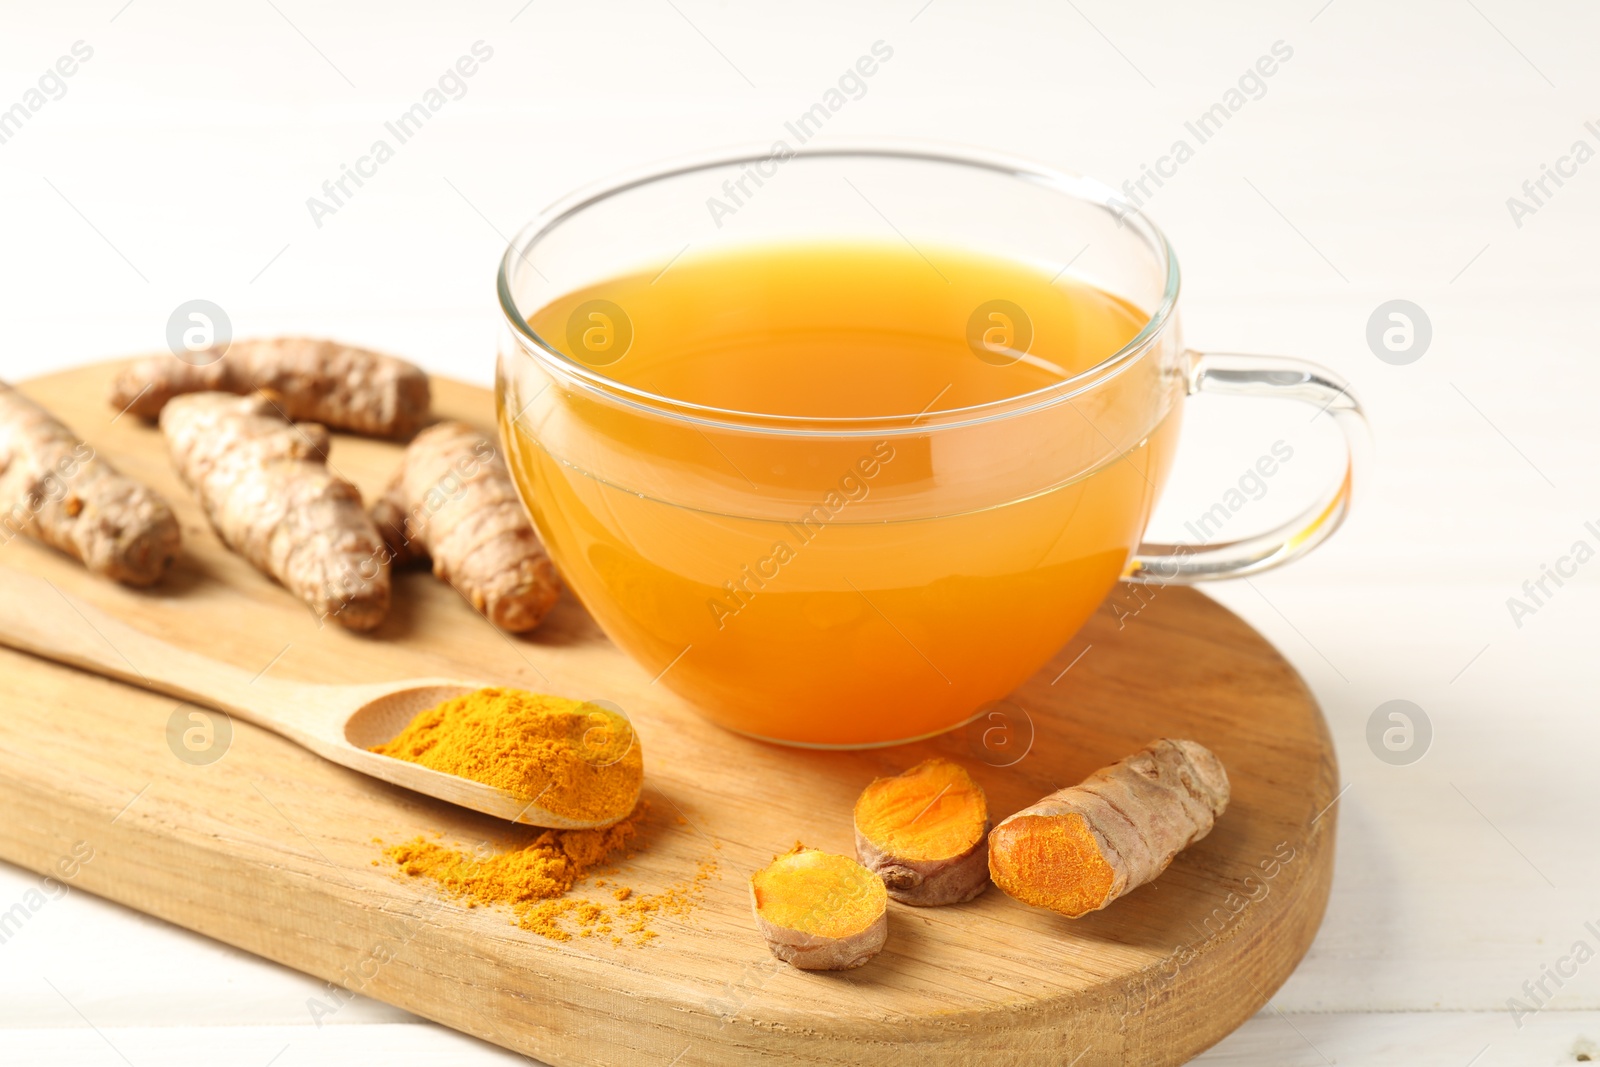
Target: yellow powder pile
(534,880)
(578,760)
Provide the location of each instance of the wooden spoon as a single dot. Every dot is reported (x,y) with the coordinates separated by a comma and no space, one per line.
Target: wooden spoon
(337,722)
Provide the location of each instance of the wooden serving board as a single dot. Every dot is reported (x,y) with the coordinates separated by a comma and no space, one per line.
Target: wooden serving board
(272,850)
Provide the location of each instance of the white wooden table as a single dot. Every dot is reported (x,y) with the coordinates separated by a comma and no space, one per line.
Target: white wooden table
(1375,165)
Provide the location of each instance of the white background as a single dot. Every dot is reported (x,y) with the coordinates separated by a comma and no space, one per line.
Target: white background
(1376,166)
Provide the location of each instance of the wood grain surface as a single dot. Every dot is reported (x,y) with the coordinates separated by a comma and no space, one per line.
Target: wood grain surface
(272,849)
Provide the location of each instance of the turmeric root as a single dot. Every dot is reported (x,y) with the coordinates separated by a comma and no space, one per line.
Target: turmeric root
(452,500)
(55,489)
(1082,847)
(269,495)
(818,911)
(312,380)
(924,833)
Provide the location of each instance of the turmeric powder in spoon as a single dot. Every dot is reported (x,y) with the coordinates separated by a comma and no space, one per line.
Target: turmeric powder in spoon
(576,759)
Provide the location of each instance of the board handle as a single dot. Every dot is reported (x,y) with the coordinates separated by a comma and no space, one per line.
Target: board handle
(44,621)
(1273,378)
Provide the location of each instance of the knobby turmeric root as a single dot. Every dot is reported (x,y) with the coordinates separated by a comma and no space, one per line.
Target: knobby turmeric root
(924,833)
(55,489)
(312,380)
(818,911)
(267,490)
(1080,848)
(452,499)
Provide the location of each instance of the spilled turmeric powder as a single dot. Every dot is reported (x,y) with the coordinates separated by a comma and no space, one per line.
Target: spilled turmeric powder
(534,882)
(577,760)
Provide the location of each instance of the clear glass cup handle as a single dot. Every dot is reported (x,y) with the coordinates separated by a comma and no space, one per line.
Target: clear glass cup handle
(1278,378)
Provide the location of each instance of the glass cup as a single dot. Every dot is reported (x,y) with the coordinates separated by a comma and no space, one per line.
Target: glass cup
(851,582)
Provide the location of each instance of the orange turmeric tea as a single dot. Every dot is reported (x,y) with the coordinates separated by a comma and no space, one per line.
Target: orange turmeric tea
(817,571)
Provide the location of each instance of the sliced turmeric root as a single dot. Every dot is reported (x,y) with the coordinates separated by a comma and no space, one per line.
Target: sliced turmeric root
(1081,848)
(924,833)
(819,911)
